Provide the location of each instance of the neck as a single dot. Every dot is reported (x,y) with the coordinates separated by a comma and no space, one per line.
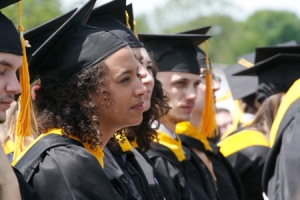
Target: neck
(168,124)
(195,118)
(106,134)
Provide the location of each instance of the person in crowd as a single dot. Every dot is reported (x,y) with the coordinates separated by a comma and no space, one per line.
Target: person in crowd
(224,120)
(13,185)
(248,147)
(220,181)
(84,71)
(178,72)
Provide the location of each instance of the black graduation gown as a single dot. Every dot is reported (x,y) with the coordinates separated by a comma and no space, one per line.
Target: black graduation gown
(61,168)
(130,173)
(228,185)
(185,177)
(246,150)
(27,192)
(166,188)
(282,168)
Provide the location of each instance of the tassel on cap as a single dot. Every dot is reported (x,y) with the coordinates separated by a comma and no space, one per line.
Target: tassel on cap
(208,125)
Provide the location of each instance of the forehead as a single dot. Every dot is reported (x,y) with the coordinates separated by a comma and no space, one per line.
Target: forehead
(173,76)
(10,60)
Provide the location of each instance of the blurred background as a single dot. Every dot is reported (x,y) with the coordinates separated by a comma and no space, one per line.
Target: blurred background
(238,27)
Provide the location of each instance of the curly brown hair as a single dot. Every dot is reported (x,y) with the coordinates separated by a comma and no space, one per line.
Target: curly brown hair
(145,133)
(71,108)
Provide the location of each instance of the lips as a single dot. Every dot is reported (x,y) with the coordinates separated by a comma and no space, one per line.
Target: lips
(138,106)
(6,104)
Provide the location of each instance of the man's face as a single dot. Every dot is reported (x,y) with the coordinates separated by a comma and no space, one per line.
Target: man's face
(202,90)
(182,91)
(9,84)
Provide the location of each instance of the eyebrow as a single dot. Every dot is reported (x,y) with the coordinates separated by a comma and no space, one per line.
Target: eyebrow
(5,63)
(125,72)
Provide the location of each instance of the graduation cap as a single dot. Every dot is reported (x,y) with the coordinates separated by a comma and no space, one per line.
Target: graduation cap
(201,56)
(275,74)
(73,48)
(263,53)
(241,86)
(38,35)
(132,24)
(200,30)
(9,37)
(174,52)
(111,16)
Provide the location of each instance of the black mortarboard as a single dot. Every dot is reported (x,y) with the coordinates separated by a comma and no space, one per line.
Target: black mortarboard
(201,30)
(241,86)
(38,35)
(263,53)
(174,52)
(201,56)
(129,10)
(9,38)
(108,17)
(276,73)
(73,48)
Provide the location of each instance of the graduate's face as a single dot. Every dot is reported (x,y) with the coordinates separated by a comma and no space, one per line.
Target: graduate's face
(9,84)
(182,92)
(126,90)
(201,92)
(146,70)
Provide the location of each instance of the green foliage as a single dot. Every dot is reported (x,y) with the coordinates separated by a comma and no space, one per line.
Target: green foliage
(34,12)
(230,38)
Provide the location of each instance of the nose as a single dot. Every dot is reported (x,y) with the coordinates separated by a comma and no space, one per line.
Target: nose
(140,89)
(215,85)
(142,71)
(147,78)
(191,93)
(13,85)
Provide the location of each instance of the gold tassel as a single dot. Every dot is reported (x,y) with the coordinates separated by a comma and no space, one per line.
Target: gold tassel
(208,125)
(23,126)
(127,20)
(134,29)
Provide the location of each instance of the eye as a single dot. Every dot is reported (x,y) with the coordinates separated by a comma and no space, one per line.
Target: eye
(197,83)
(126,79)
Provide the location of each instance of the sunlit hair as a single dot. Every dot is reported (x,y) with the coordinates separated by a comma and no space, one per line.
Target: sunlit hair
(266,114)
(71,108)
(145,132)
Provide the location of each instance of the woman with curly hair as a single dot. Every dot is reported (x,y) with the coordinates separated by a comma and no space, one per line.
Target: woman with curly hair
(84,72)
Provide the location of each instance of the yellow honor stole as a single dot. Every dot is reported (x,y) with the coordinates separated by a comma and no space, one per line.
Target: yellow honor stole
(97,151)
(173,144)
(186,128)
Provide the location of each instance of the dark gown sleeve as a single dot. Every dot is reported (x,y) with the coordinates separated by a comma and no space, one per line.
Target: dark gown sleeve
(285,184)
(173,173)
(27,192)
(70,172)
(248,164)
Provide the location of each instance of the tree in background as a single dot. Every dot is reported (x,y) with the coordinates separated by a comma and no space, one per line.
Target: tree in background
(231,38)
(34,12)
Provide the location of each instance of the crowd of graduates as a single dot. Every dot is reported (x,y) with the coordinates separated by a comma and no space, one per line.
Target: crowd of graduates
(90,109)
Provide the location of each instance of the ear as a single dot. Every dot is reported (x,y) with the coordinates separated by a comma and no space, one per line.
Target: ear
(33,91)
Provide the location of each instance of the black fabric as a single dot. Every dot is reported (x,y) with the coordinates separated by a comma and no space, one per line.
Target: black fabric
(165,184)
(5,3)
(130,173)
(175,52)
(38,35)
(73,48)
(281,171)
(27,192)
(60,168)
(180,173)
(122,182)
(9,38)
(248,164)
(228,185)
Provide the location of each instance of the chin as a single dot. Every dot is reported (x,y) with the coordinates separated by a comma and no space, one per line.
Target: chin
(2,117)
